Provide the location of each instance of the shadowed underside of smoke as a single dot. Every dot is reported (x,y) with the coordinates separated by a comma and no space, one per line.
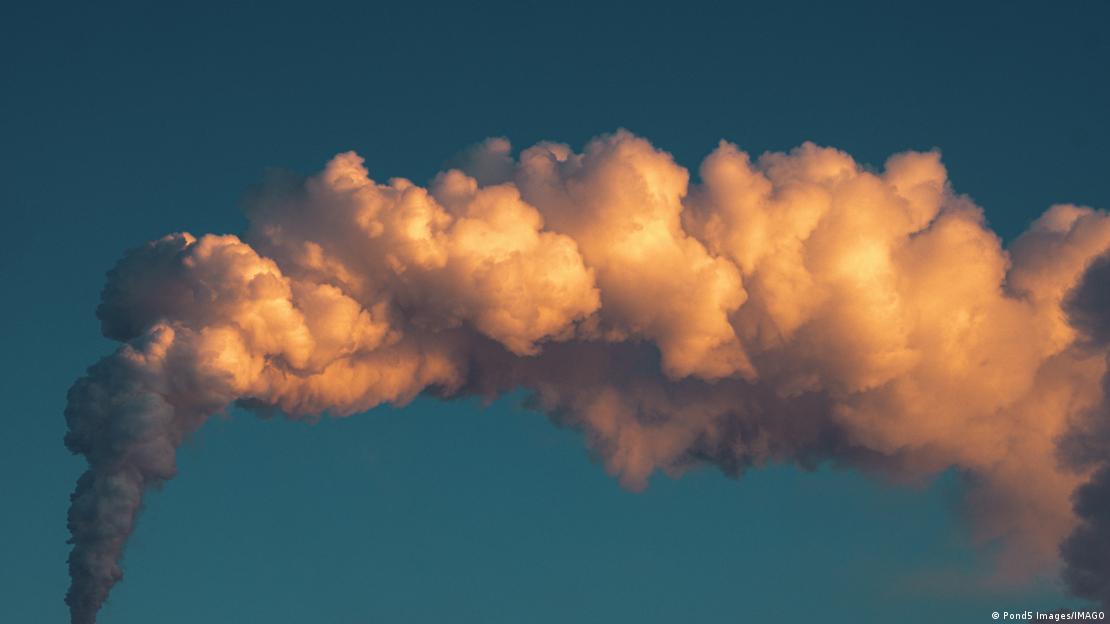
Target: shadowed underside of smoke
(794,308)
(1086,551)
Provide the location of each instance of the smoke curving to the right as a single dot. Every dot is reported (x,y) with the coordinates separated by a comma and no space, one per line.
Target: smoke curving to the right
(796,308)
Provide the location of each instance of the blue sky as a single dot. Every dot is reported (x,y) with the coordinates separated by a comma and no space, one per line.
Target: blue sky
(120,124)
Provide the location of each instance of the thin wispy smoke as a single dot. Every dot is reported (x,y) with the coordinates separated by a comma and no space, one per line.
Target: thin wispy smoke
(796,308)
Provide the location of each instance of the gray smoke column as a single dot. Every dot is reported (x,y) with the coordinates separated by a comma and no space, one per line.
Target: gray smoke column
(1086,551)
(128,415)
(798,308)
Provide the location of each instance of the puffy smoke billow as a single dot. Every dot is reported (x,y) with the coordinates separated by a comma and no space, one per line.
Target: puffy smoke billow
(797,308)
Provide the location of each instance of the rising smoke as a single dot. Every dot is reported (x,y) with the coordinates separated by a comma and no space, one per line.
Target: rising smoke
(797,308)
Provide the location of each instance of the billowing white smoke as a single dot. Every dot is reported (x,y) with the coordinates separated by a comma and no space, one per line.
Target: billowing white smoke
(797,308)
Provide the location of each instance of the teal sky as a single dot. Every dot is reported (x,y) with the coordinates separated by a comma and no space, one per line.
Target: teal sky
(121,124)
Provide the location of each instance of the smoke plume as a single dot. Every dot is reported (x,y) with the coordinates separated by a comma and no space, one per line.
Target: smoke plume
(795,308)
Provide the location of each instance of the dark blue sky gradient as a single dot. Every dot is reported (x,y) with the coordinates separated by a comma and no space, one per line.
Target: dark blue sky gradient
(120,124)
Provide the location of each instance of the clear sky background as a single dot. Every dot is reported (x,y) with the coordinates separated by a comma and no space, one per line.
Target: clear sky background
(120,124)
